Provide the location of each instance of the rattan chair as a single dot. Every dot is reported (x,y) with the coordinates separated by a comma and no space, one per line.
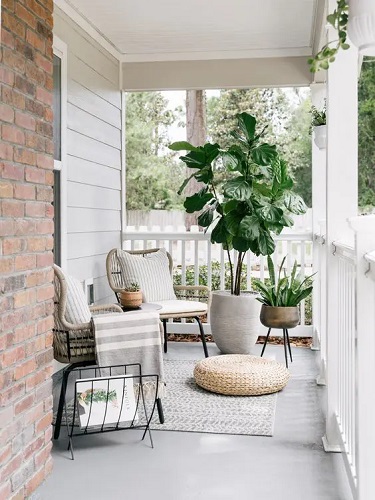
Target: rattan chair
(75,343)
(185,293)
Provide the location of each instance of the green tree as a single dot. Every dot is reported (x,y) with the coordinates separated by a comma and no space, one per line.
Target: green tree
(366,135)
(152,174)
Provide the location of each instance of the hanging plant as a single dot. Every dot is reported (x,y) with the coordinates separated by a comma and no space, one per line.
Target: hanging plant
(339,20)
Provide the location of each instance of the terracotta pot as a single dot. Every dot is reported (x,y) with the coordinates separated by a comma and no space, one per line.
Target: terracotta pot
(279,317)
(235,321)
(131,300)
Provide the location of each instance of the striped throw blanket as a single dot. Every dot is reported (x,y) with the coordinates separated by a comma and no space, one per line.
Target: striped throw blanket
(132,337)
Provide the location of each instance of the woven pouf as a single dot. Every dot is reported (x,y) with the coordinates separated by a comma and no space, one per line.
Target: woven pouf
(240,375)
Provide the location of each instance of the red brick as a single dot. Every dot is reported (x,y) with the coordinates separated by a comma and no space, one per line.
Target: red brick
(12,134)
(35,175)
(13,59)
(8,358)
(32,447)
(11,96)
(6,113)
(7,39)
(44,422)
(24,298)
(44,96)
(34,73)
(6,264)
(34,380)
(25,15)
(44,161)
(15,172)
(6,76)
(8,4)
(24,262)
(23,226)
(33,483)
(24,191)
(35,141)
(6,190)
(50,211)
(35,40)
(13,208)
(23,333)
(42,456)
(35,413)
(49,178)
(44,128)
(24,369)
(45,226)
(12,393)
(6,151)
(35,345)
(11,467)
(37,244)
(13,245)
(25,404)
(35,209)
(25,120)
(24,85)
(25,156)
(44,193)
(48,115)
(45,293)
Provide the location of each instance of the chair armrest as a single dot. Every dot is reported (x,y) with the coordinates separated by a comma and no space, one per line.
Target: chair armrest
(201,292)
(105,308)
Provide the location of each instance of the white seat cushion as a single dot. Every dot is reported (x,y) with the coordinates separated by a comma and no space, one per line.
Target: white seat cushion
(77,309)
(181,307)
(150,272)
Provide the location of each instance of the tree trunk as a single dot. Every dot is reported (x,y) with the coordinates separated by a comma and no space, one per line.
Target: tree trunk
(195,134)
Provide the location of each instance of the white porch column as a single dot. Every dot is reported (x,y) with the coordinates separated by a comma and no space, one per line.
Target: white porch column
(318,160)
(364,228)
(341,202)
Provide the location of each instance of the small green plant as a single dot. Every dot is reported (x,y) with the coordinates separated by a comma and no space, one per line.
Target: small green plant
(339,20)
(318,118)
(288,291)
(133,287)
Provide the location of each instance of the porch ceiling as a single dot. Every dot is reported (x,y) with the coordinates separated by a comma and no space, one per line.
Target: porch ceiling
(189,31)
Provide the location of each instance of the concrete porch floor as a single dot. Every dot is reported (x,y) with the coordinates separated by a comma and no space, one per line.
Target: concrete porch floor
(291,465)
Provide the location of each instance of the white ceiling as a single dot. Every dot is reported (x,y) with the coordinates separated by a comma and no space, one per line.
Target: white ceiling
(167,30)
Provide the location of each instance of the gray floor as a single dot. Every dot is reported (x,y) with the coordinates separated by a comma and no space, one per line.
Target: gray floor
(291,465)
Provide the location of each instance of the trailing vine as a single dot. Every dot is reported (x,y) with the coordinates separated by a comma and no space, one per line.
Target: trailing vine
(339,20)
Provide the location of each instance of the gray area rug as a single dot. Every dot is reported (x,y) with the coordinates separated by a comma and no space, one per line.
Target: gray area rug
(189,408)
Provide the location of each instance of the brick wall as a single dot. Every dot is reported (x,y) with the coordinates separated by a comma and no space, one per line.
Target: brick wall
(26,228)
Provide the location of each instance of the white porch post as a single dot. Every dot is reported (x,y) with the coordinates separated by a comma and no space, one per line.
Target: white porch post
(341,203)
(318,159)
(364,228)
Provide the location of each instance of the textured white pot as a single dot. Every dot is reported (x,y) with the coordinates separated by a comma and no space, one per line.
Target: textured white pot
(320,136)
(235,321)
(361,25)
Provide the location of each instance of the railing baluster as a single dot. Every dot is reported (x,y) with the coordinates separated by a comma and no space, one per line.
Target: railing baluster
(183,262)
(209,265)
(303,254)
(196,262)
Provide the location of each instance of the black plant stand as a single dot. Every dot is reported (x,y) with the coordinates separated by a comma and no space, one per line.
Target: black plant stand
(286,342)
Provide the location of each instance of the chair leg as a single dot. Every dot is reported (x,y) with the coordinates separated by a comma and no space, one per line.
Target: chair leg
(203,337)
(165,335)
(64,385)
(160,410)
(265,342)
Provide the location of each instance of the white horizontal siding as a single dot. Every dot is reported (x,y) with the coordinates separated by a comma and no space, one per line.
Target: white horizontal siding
(87,100)
(91,220)
(93,197)
(89,149)
(91,126)
(93,174)
(90,244)
(94,156)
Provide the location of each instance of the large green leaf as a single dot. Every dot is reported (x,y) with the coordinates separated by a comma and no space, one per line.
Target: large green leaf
(184,184)
(237,188)
(232,222)
(241,244)
(197,201)
(249,227)
(266,244)
(182,146)
(230,205)
(294,203)
(195,159)
(205,219)
(262,189)
(247,124)
(205,175)
(231,161)
(271,270)
(219,233)
(270,213)
(264,154)
(211,151)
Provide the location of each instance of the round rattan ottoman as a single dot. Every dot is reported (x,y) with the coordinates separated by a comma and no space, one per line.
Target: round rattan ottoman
(240,375)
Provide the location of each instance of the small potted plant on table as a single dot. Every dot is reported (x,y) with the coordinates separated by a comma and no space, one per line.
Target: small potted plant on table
(131,296)
(280,300)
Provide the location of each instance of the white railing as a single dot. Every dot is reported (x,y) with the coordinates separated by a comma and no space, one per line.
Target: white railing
(197,261)
(347,355)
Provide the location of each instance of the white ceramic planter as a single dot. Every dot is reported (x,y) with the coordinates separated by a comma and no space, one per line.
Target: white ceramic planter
(235,321)
(361,25)
(320,136)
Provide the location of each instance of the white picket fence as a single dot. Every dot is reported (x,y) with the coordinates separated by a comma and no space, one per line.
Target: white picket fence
(190,250)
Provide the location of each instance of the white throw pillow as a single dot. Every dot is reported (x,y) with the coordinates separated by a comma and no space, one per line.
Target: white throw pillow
(77,309)
(151,272)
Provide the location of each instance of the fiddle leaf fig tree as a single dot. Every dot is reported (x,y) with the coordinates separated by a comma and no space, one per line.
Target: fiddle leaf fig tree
(253,204)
